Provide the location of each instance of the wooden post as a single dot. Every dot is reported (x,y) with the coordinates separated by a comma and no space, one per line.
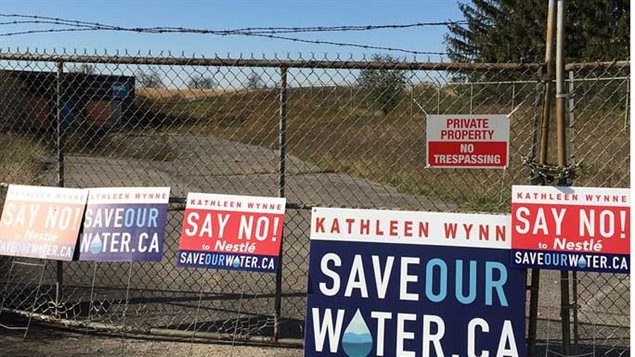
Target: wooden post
(534,288)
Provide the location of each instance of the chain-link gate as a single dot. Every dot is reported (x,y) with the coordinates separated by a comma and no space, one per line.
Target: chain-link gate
(322,132)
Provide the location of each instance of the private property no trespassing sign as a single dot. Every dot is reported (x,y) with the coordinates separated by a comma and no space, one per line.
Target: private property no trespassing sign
(468,141)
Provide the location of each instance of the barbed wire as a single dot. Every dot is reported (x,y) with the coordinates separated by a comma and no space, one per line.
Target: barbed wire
(49,18)
(36,19)
(265,32)
(30,32)
(346,44)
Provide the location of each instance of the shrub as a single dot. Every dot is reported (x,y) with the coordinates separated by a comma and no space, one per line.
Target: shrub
(383,87)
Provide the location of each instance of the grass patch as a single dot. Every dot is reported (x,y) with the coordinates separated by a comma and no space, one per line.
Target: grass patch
(21,159)
(336,129)
(495,203)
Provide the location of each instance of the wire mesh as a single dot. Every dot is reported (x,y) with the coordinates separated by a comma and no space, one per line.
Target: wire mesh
(355,137)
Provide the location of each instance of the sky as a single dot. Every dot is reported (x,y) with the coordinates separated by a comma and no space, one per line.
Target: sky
(227,14)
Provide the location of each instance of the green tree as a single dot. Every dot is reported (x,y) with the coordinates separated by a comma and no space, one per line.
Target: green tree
(201,82)
(383,87)
(254,81)
(150,79)
(84,68)
(514,31)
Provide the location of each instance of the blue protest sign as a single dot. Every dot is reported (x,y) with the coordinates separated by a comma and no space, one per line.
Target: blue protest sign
(120,90)
(392,283)
(124,224)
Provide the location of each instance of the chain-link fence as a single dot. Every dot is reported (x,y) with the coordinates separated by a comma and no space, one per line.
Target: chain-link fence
(321,132)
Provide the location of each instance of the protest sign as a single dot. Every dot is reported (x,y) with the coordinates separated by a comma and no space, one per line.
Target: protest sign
(41,222)
(467,141)
(231,232)
(571,228)
(393,283)
(124,224)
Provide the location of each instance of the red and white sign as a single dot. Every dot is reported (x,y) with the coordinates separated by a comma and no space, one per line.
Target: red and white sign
(411,227)
(41,222)
(590,225)
(231,232)
(467,141)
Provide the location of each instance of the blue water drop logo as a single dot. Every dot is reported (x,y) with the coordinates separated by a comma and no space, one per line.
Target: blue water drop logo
(357,340)
(582,263)
(236,263)
(95,245)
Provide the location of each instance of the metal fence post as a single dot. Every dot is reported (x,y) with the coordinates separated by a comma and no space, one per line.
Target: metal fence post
(627,100)
(572,159)
(438,100)
(471,98)
(561,134)
(536,115)
(59,124)
(59,136)
(534,290)
(513,97)
(282,143)
(412,98)
(535,277)
(572,148)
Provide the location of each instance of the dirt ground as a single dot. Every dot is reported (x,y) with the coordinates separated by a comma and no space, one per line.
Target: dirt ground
(50,341)
(44,340)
